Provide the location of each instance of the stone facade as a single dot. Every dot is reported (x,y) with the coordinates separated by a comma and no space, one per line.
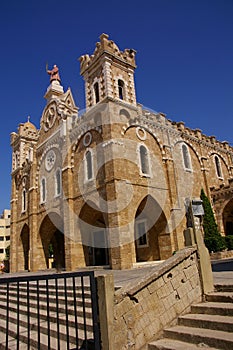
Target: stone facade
(171,290)
(110,186)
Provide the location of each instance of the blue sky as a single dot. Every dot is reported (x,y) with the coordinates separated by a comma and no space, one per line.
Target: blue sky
(184,59)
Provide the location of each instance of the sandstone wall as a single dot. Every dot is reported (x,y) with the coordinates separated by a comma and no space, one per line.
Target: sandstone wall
(142,310)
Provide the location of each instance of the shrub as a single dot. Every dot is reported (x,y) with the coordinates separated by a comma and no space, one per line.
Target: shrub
(229,242)
(212,238)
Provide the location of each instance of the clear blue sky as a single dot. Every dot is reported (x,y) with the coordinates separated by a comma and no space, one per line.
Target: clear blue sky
(184,58)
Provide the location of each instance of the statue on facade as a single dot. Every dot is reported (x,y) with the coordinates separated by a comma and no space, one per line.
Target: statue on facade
(54,73)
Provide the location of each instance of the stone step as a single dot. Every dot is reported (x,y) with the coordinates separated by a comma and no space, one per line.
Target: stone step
(171,344)
(223,287)
(11,342)
(13,315)
(212,338)
(44,327)
(220,297)
(43,289)
(221,323)
(52,306)
(34,341)
(213,308)
(43,300)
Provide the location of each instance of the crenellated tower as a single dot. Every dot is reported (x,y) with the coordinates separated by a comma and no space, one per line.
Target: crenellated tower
(108,73)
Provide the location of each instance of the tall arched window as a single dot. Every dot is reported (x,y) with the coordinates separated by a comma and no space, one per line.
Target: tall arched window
(96,92)
(43,190)
(186,157)
(218,166)
(58,182)
(121,85)
(144,160)
(89,165)
(24,205)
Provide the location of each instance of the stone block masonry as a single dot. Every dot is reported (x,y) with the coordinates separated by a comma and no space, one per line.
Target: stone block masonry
(143,308)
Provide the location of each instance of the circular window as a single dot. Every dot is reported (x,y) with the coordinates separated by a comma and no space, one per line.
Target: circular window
(141,134)
(50,160)
(87,139)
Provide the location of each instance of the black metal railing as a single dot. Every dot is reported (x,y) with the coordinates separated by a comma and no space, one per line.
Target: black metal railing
(52,311)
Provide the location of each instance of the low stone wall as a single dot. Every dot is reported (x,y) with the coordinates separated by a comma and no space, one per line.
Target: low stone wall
(222,255)
(142,310)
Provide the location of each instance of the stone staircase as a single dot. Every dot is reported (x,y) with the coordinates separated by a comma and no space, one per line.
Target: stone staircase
(208,326)
(59,325)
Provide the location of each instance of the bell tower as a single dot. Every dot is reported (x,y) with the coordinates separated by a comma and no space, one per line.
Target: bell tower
(108,73)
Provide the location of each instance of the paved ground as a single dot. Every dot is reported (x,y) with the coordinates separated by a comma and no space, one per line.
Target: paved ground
(222,272)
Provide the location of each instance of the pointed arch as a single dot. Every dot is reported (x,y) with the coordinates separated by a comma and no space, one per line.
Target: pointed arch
(92,225)
(227,218)
(53,240)
(151,240)
(24,247)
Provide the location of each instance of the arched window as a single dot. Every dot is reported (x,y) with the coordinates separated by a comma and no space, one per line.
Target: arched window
(218,166)
(58,182)
(144,160)
(24,205)
(89,165)
(43,190)
(96,91)
(186,157)
(121,85)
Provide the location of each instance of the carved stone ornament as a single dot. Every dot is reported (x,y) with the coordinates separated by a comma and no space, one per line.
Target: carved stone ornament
(50,117)
(50,160)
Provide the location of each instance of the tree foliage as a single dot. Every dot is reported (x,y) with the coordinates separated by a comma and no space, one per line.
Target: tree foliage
(213,239)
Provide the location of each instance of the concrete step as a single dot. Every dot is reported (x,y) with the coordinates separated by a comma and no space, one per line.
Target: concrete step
(220,297)
(213,308)
(221,323)
(212,338)
(171,344)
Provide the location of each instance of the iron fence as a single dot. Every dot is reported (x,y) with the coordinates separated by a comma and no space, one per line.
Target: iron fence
(53,311)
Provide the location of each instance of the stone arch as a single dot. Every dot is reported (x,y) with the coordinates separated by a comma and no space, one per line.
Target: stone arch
(157,139)
(227,218)
(24,248)
(52,240)
(151,240)
(92,224)
(191,147)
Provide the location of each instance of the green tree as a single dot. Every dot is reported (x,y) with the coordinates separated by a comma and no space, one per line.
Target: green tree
(212,238)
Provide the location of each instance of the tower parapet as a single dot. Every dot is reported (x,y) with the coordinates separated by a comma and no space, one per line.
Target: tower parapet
(108,73)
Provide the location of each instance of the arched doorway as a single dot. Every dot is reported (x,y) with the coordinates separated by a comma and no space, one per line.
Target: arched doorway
(25,246)
(228,218)
(52,238)
(150,236)
(94,235)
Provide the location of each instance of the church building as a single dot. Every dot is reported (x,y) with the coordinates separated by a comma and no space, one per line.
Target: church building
(109,187)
